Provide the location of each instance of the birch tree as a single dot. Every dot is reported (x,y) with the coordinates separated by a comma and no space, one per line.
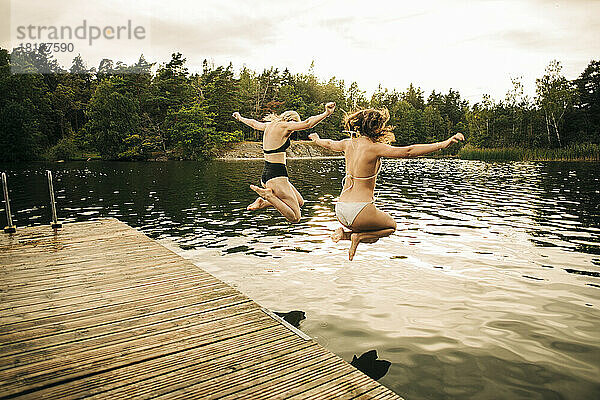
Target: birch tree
(555,95)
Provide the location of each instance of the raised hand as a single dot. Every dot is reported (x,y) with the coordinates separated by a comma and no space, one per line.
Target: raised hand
(236,115)
(314,137)
(329,107)
(458,137)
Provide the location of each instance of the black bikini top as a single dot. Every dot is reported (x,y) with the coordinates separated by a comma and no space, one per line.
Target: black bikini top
(280,149)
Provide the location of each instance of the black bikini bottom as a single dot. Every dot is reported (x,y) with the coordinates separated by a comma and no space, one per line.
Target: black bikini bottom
(273,170)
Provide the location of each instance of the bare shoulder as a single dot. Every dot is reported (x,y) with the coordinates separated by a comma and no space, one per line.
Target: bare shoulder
(283,126)
(381,147)
(338,145)
(259,125)
(384,150)
(278,129)
(271,126)
(345,142)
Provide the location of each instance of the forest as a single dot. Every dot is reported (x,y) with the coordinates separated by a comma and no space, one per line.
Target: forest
(142,111)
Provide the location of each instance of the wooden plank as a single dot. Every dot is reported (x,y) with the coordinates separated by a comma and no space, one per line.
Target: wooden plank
(80,264)
(113,323)
(58,249)
(99,309)
(103,345)
(29,257)
(378,392)
(55,246)
(24,315)
(316,379)
(319,378)
(75,365)
(43,234)
(62,241)
(253,375)
(86,282)
(111,295)
(189,365)
(280,386)
(137,297)
(211,366)
(37,263)
(343,387)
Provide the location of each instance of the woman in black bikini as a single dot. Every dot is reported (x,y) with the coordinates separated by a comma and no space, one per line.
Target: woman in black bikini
(277,191)
(355,208)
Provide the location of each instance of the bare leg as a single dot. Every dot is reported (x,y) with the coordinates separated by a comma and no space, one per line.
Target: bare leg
(369,226)
(342,234)
(366,237)
(268,195)
(298,195)
(261,203)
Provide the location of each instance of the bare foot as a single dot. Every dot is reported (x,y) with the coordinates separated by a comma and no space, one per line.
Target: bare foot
(354,241)
(337,235)
(258,204)
(340,234)
(265,193)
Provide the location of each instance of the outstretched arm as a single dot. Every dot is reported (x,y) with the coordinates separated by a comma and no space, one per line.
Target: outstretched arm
(335,145)
(310,122)
(416,150)
(252,123)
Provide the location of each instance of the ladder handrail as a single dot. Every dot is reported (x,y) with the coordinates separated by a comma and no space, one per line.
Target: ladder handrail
(10,228)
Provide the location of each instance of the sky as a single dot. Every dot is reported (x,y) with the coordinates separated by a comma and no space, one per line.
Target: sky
(471,46)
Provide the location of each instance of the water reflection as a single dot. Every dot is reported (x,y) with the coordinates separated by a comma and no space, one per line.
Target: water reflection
(490,288)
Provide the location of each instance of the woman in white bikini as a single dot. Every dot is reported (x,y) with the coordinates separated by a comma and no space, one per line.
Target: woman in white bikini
(277,191)
(369,142)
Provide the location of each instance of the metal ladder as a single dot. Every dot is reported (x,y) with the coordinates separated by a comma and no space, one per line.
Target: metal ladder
(11,228)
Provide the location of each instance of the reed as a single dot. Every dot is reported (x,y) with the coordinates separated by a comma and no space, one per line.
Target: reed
(578,152)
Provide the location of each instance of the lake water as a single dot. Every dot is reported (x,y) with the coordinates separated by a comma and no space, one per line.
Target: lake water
(489,289)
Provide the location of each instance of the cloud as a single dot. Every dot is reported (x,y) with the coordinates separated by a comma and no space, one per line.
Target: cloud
(364,32)
(549,42)
(530,39)
(226,36)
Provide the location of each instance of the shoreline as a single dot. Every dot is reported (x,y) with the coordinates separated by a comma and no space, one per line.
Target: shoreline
(287,158)
(576,160)
(299,149)
(580,152)
(303,149)
(307,150)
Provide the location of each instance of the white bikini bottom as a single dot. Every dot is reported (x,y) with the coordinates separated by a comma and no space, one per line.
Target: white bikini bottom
(346,211)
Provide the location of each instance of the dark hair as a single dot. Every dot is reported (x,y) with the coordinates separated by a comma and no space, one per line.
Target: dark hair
(371,123)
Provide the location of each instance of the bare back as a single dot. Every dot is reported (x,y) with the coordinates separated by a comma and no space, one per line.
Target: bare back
(274,136)
(362,161)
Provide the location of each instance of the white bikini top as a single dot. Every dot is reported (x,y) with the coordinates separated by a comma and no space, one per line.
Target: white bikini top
(353,178)
(348,175)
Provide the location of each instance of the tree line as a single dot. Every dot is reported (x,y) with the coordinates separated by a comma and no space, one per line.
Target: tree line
(138,112)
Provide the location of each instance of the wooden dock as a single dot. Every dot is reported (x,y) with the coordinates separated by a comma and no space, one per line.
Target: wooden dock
(98,309)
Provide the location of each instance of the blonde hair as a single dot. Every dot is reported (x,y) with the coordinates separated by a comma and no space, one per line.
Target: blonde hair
(370,122)
(286,116)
